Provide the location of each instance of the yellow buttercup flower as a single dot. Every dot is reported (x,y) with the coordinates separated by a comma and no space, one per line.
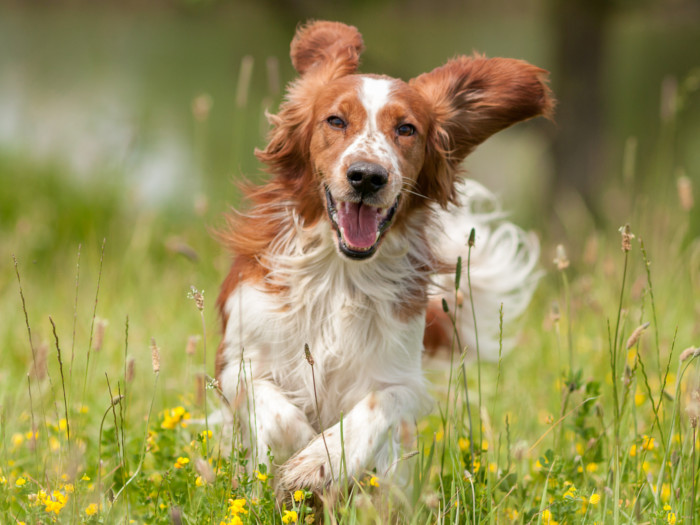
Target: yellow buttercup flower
(373,481)
(298,495)
(290,516)
(20,482)
(262,477)
(594,499)
(91,509)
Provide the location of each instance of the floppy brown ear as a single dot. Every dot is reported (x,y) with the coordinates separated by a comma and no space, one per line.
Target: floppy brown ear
(331,45)
(321,52)
(472,98)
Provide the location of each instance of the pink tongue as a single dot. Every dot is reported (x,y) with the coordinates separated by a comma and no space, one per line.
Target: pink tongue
(359,223)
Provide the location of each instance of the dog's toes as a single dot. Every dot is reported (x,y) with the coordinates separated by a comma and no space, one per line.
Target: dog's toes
(303,471)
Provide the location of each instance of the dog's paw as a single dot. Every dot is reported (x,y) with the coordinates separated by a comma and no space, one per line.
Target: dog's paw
(309,469)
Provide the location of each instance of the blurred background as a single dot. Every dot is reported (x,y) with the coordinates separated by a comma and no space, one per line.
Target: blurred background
(129,121)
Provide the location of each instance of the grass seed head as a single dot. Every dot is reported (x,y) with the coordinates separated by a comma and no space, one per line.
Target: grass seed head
(192,342)
(155,356)
(40,363)
(198,297)
(685,192)
(634,338)
(100,325)
(627,237)
(201,107)
(688,353)
(561,259)
(130,369)
(204,469)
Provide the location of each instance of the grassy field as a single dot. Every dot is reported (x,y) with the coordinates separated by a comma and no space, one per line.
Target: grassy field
(591,418)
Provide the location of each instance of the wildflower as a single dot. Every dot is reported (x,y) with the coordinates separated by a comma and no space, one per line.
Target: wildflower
(69,488)
(591,467)
(85,478)
(639,398)
(665,493)
(261,476)
(671,518)
(174,417)
(648,443)
(594,499)
(17,440)
(439,435)
(570,493)
(20,482)
(91,509)
(633,450)
(373,481)
(299,495)
(547,518)
(463,444)
(3,480)
(181,462)
(199,482)
(290,516)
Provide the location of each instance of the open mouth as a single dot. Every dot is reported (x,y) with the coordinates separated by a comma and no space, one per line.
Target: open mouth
(360,227)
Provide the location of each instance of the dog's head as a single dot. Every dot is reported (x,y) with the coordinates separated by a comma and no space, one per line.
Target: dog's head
(365,150)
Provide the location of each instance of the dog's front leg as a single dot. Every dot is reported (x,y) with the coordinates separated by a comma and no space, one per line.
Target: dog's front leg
(370,439)
(271,421)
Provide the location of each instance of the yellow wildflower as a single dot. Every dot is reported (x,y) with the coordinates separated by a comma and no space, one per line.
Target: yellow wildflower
(570,493)
(262,477)
(91,509)
(463,444)
(20,482)
(591,467)
(181,462)
(62,424)
(298,495)
(85,478)
(17,440)
(174,417)
(54,444)
(594,499)
(671,518)
(665,493)
(633,450)
(199,481)
(639,398)
(237,506)
(69,488)
(373,481)
(290,516)
(648,443)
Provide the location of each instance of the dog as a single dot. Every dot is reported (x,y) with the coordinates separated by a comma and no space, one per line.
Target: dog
(341,253)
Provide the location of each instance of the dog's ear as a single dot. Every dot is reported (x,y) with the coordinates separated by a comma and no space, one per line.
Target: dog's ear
(326,47)
(320,51)
(471,98)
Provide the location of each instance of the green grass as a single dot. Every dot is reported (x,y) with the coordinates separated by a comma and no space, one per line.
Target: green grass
(557,440)
(570,427)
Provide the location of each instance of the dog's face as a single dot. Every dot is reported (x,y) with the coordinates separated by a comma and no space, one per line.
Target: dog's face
(367,148)
(365,151)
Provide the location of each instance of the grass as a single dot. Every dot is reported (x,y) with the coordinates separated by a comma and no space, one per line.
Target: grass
(105,397)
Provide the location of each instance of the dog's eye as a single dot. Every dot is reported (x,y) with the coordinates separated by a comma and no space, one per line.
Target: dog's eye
(405,130)
(336,122)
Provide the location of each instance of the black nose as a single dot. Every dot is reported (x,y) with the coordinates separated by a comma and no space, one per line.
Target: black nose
(367,178)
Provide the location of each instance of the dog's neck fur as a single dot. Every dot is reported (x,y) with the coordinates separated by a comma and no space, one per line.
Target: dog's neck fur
(358,318)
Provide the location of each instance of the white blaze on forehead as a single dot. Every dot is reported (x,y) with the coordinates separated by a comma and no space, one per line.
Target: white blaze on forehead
(374,95)
(371,143)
